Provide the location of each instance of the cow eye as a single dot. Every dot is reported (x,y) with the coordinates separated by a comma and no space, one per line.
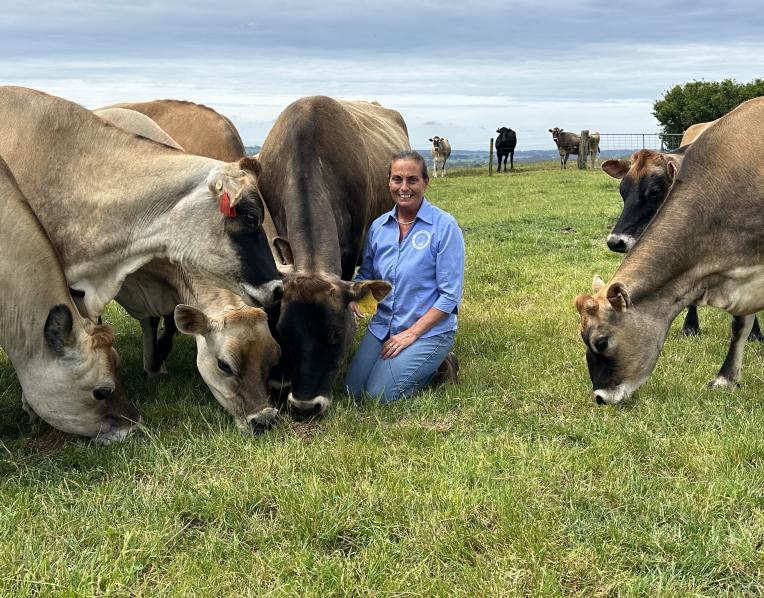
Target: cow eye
(224,367)
(600,345)
(250,219)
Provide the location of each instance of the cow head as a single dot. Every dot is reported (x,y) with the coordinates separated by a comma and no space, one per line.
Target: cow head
(316,329)
(436,142)
(622,341)
(556,132)
(235,352)
(236,248)
(72,384)
(645,182)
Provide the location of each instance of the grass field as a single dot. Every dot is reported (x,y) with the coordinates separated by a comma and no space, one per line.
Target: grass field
(512,483)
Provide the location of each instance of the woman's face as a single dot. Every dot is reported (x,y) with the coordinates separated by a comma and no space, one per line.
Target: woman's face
(406,184)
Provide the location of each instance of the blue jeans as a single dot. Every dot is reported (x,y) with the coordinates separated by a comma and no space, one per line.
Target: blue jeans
(401,376)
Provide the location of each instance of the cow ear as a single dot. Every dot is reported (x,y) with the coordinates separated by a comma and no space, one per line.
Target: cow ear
(616,168)
(618,296)
(672,166)
(430,138)
(586,304)
(251,164)
(597,283)
(378,288)
(283,251)
(190,320)
(58,329)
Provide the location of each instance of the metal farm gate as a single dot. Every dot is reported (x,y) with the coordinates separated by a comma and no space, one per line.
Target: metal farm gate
(631,142)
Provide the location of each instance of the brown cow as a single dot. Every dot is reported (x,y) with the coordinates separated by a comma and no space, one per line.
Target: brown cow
(325,166)
(569,143)
(704,246)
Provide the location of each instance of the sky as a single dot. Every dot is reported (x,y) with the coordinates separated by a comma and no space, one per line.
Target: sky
(454,68)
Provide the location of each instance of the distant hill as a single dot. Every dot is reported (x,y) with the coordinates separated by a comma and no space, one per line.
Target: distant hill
(468,158)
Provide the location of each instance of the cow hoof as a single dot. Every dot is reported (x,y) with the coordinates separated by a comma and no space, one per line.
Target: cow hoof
(690,331)
(722,382)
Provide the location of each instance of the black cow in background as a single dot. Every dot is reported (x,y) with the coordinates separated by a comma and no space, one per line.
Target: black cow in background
(505,146)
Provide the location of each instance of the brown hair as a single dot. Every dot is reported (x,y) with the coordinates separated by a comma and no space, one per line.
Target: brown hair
(409,155)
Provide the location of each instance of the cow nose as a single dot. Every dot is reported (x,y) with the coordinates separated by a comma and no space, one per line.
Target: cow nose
(264,420)
(278,294)
(617,244)
(599,399)
(103,393)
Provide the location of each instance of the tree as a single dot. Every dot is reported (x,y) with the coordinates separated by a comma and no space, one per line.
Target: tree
(701,101)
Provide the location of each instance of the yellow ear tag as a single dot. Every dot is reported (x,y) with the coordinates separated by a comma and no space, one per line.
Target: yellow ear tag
(368,304)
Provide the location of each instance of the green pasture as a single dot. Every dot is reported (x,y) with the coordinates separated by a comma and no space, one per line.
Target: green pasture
(512,483)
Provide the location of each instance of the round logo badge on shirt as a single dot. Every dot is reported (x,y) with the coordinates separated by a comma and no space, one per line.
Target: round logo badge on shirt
(420,240)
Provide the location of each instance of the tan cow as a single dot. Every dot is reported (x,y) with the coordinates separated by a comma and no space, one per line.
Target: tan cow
(65,363)
(111,201)
(704,246)
(235,349)
(325,168)
(441,152)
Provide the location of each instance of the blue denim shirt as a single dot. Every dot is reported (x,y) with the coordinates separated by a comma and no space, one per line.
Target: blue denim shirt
(426,270)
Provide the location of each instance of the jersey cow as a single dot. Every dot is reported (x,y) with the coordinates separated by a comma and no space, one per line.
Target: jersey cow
(115,200)
(235,349)
(441,151)
(570,143)
(505,147)
(325,167)
(703,246)
(65,363)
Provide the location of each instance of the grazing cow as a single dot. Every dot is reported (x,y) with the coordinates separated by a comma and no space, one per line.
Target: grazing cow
(569,143)
(65,363)
(235,349)
(645,182)
(441,150)
(325,167)
(212,134)
(703,246)
(115,200)
(505,146)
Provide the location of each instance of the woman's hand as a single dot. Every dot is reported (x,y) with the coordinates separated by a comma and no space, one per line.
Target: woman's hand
(393,346)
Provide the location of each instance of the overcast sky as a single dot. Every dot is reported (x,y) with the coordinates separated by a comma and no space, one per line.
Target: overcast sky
(454,68)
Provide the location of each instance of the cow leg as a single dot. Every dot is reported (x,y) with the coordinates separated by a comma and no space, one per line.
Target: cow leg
(691,326)
(729,375)
(164,344)
(756,334)
(151,366)
(511,161)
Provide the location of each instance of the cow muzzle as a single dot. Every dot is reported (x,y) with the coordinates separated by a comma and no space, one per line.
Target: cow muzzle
(264,295)
(308,408)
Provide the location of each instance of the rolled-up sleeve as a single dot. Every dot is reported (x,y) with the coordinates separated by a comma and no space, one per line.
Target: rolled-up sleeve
(449,268)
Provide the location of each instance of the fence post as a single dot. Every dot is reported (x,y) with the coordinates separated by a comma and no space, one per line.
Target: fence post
(643,141)
(583,149)
(490,159)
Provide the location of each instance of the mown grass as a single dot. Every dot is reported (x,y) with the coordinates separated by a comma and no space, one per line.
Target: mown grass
(512,483)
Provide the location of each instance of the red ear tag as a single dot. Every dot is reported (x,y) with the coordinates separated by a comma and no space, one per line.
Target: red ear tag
(225,206)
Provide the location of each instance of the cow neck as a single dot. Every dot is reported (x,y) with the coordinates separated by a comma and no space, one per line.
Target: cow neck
(31,278)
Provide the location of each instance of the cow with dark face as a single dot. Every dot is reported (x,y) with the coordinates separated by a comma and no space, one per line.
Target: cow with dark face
(505,147)
(325,166)
(645,182)
(704,246)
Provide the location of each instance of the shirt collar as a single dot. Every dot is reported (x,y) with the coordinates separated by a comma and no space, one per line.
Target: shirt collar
(425,212)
